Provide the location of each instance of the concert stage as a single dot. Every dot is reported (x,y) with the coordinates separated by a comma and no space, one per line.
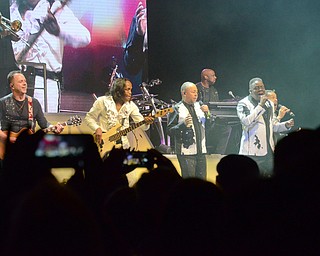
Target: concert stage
(138,138)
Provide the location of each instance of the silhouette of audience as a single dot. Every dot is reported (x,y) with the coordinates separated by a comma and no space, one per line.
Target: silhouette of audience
(96,212)
(236,172)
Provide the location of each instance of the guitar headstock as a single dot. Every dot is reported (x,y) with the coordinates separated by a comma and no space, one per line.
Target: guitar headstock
(163,112)
(74,120)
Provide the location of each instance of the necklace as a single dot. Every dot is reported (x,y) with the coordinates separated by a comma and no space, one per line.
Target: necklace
(20,105)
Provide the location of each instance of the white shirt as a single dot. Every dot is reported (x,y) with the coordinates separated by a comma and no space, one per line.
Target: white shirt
(104,115)
(48,48)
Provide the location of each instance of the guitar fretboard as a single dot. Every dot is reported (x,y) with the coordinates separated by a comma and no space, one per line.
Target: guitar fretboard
(123,132)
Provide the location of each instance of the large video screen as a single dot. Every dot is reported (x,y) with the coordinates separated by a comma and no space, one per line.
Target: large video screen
(89,68)
(89,56)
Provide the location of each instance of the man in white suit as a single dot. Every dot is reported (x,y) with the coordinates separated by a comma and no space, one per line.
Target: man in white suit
(256,114)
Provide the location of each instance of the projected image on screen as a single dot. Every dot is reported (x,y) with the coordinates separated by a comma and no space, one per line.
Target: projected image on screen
(79,46)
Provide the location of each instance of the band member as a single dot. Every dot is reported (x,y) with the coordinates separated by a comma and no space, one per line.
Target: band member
(279,112)
(47,27)
(136,49)
(109,110)
(187,126)
(7,60)
(256,115)
(19,111)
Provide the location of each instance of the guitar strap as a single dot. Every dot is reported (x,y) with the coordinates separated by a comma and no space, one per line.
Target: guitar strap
(30,110)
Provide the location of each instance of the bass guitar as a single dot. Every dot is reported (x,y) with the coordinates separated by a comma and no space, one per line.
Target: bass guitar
(110,138)
(72,121)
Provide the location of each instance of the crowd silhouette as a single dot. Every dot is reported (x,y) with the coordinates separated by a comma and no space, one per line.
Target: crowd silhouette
(96,212)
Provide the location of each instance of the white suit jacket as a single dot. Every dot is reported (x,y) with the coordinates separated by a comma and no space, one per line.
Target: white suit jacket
(254,134)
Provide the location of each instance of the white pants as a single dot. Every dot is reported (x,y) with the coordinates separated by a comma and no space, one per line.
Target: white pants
(53,94)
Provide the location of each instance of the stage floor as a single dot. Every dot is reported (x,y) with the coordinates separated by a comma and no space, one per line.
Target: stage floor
(142,144)
(63,174)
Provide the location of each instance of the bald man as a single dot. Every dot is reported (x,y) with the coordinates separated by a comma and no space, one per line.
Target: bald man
(220,135)
(187,126)
(206,89)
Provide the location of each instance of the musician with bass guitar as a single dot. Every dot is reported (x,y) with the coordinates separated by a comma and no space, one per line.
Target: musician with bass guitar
(18,111)
(113,111)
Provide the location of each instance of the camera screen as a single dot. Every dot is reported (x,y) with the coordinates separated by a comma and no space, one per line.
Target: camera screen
(59,146)
(62,150)
(138,159)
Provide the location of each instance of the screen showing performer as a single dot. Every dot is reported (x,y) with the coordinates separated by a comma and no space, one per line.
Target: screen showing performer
(74,41)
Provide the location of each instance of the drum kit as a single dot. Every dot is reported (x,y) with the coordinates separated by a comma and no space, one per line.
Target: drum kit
(145,105)
(148,103)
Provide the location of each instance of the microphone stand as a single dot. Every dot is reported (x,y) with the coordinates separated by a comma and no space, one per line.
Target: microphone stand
(158,120)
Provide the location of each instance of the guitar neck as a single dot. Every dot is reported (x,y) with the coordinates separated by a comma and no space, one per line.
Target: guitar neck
(125,131)
(33,38)
(51,129)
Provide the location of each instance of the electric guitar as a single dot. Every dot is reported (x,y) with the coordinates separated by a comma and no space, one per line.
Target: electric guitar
(110,138)
(74,120)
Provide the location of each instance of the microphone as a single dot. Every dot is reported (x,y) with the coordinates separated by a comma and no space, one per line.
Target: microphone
(290,112)
(231,94)
(267,104)
(207,114)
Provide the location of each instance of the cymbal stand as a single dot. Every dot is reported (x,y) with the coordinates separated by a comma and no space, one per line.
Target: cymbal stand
(158,120)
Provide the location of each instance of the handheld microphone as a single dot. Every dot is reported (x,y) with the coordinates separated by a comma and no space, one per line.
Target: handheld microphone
(290,112)
(267,104)
(231,94)
(207,114)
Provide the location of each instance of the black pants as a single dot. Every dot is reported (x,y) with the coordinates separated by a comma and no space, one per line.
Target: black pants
(193,166)
(265,164)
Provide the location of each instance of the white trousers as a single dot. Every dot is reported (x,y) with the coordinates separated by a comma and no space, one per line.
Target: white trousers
(53,94)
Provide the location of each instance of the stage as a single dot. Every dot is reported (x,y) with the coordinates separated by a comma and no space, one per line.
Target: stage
(138,138)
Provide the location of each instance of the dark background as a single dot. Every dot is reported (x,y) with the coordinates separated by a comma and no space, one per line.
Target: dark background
(277,41)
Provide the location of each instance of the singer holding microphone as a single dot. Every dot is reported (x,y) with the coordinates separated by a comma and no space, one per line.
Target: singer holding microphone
(186,126)
(257,118)
(280,112)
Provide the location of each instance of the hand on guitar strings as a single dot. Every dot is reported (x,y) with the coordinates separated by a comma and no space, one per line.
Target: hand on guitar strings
(51,25)
(57,129)
(98,136)
(149,119)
